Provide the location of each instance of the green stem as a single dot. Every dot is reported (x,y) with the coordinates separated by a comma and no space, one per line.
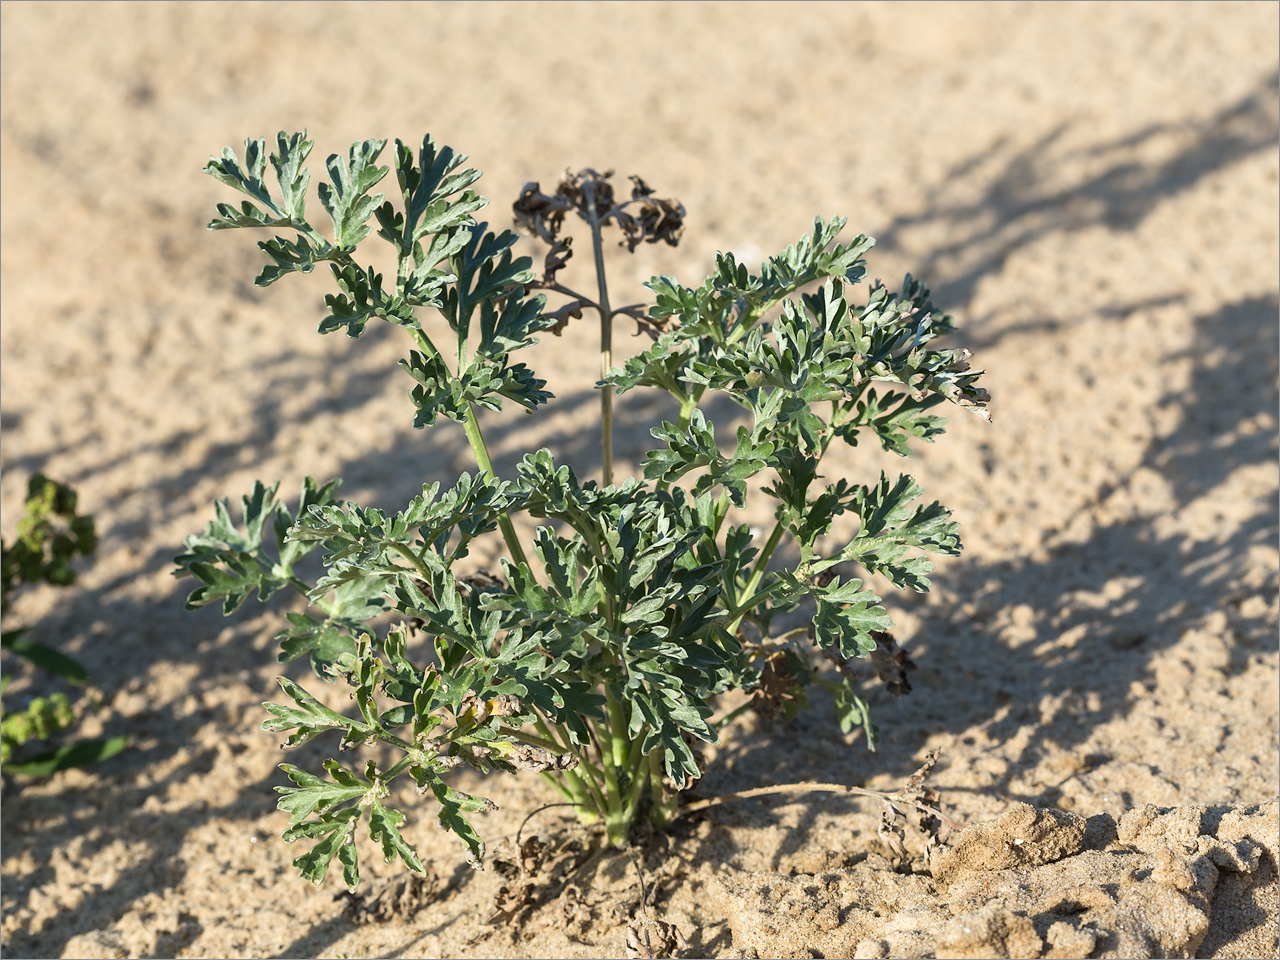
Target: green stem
(722,510)
(745,322)
(474,437)
(595,791)
(757,573)
(560,788)
(405,551)
(304,588)
(618,743)
(403,764)
(575,789)
(665,799)
(636,760)
(430,349)
(606,336)
(736,614)
(588,787)
(617,826)
(687,406)
(638,780)
(403,265)
(463,314)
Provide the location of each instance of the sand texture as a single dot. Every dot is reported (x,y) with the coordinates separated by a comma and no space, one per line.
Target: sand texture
(1092,190)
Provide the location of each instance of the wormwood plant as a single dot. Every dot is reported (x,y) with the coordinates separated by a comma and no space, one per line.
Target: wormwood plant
(595,655)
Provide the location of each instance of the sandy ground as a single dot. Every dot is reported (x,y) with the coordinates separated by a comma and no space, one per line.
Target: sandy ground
(1091,189)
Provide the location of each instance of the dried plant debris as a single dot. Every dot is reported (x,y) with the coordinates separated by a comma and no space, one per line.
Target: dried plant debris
(648,935)
(570,882)
(918,806)
(557,259)
(927,802)
(653,219)
(780,692)
(394,899)
(539,213)
(893,837)
(891,663)
(525,756)
(483,581)
(577,911)
(889,660)
(536,871)
(648,939)
(563,314)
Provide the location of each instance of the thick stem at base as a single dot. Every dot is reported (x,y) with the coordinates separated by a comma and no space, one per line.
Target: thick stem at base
(665,798)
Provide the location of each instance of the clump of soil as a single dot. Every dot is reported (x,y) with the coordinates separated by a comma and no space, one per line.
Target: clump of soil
(1036,883)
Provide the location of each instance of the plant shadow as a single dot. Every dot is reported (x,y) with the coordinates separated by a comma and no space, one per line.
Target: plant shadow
(1020,203)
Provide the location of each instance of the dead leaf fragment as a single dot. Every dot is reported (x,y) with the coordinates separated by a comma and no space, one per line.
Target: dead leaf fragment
(539,760)
(387,900)
(648,939)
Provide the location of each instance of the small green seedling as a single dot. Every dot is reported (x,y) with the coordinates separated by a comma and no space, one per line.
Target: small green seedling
(596,654)
(48,538)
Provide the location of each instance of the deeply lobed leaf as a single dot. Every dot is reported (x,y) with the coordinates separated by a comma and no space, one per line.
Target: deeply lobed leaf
(232,562)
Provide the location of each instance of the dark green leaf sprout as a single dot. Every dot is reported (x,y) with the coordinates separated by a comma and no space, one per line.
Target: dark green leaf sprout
(50,535)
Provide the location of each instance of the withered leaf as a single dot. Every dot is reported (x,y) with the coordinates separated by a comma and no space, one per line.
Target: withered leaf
(562,315)
(539,213)
(648,938)
(654,219)
(779,687)
(653,326)
(639,189)
(891,663)
(643,219)
(916,780)
(892,836)
(539,760)
(393,900)
(532,852)
(915,791)
(511,901)
(556,259)
(578,912)
(482,581)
